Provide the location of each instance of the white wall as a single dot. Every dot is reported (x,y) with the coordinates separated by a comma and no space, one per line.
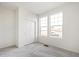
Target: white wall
(7,27)
(70,39)
(14,26)
(25,16)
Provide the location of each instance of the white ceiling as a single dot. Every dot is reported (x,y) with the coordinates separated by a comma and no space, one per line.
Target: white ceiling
(34,7)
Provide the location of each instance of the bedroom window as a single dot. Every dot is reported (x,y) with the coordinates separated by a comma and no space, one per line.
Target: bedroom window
(43,26)
(56,22)
(51,25)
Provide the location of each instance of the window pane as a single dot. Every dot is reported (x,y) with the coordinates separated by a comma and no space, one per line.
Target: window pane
(43,33)
(56,19)
(56,30)
(43,24)
(43,21)
(43,28)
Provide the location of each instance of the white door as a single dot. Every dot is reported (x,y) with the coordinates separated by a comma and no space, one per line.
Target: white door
(29,31)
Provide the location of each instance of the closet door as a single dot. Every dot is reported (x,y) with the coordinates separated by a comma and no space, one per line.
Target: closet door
(29,32)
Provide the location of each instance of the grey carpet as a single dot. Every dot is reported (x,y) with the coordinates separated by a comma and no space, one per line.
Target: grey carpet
(36,50)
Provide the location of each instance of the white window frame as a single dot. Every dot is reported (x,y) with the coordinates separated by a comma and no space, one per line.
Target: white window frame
(48,25)
(55,25)
(40,26)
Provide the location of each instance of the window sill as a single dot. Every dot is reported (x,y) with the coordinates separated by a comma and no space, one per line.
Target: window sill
(56,37)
